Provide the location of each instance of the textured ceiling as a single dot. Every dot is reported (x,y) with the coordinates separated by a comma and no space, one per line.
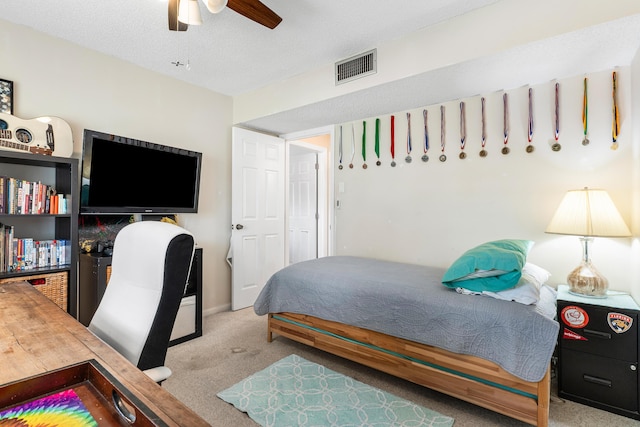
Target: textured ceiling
(228,53)
(232,55)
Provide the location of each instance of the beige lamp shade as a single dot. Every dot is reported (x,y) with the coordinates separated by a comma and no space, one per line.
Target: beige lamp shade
(189,12)
(588,212)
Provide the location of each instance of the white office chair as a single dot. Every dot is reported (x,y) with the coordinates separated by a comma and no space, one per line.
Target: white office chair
(150,268)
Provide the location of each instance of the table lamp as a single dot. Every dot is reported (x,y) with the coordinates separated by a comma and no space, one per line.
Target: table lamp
(588,213)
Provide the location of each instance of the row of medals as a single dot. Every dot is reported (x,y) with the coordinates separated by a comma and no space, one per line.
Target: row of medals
(483,153)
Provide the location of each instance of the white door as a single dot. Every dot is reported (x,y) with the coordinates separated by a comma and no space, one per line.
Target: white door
(303,204)
(257,213)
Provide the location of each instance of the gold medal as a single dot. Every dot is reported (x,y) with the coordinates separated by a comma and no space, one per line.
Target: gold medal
(556,147)
(614,146)
(505,150)
(462,155)
(483,153)
(530,148)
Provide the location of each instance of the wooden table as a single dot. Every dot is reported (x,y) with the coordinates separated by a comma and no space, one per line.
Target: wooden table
(36,337)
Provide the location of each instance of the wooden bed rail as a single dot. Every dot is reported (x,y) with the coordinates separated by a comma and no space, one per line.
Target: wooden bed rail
(469,378)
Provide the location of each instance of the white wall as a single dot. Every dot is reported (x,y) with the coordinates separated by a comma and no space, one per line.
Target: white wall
(431,213)
(90,90)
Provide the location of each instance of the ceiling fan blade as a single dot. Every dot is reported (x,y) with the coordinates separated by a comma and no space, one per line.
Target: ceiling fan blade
(174,24)
(256,11)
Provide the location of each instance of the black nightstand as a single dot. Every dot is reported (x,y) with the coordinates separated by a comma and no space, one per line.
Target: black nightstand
(598,351)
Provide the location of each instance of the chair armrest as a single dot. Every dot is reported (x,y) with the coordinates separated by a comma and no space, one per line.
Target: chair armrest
(158,374)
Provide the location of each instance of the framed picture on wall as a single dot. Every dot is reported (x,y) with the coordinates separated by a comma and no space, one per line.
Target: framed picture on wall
(6,96)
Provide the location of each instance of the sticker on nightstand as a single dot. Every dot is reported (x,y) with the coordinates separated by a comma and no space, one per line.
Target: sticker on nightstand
(620,323)
(574,316)
(568,334)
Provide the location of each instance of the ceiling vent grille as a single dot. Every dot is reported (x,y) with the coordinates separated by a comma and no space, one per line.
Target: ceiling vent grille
(356,67)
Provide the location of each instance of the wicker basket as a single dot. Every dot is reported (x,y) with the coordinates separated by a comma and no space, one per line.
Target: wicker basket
(52,285)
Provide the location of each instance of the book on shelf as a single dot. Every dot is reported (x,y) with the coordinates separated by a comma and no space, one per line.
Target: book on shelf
(22,197)
(22,254)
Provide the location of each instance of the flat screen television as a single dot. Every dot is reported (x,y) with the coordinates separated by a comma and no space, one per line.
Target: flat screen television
(129,176)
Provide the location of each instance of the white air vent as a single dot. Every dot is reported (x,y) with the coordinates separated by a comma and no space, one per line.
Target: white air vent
(356,67)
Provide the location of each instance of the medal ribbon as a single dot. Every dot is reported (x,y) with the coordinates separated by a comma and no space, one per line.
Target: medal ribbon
(585,109)
(408,133)
(377,146)
(393,137)
(484,127)
(615,126)
(353,144)
(364,141)
(530,136)
(557,135)
(463,127)
(506,118)
(426,132)
(340,147)
(442,129)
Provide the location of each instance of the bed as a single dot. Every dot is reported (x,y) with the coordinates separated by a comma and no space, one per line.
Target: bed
(493,353)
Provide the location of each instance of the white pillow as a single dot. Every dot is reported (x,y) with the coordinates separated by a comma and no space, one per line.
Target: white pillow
(526,291)
(535,274)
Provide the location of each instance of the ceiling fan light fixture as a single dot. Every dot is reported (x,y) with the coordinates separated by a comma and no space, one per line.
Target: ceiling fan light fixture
(215,6)
(189,12)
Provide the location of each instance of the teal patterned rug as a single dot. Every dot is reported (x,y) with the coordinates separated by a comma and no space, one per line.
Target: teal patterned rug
(296,392)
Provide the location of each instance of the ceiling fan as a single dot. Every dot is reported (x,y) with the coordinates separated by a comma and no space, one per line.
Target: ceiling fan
(252,9)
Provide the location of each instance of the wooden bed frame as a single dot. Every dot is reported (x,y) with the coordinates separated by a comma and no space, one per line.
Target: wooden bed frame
(469,378)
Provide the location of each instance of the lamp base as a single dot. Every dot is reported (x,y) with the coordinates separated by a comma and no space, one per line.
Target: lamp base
(586,280)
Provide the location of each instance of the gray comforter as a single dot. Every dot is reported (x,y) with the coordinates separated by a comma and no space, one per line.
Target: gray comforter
(409,301)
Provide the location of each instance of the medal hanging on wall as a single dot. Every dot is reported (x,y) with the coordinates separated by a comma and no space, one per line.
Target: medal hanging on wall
(463,132)
(364,145)
(425,157)
(530,147)
(408,158)
(556,145)
(505,101)
(340,150)
(353,146)
(483,152)
(377,146)
(442,157)
(585,114)
(393,141)
(615,125)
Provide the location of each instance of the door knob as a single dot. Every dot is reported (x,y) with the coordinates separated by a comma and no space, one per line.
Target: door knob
(239,226)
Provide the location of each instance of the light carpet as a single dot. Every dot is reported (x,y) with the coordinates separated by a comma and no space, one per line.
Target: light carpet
(296,392)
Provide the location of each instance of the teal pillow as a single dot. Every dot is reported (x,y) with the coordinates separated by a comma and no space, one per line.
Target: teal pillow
(493,266)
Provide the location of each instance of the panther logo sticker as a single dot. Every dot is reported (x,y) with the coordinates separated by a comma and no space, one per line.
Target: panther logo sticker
(620,323)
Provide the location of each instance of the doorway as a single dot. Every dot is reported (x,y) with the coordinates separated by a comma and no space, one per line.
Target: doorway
(260,211)
(308,198)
